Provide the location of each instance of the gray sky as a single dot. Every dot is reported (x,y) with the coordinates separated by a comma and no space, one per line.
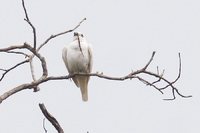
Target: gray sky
(123,34)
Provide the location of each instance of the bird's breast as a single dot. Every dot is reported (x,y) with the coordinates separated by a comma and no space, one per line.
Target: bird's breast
(78,60)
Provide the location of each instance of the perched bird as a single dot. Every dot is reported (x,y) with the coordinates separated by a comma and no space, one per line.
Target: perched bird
(78,58)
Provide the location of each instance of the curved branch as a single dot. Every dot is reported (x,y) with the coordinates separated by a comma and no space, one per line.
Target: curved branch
(34,52)
(52,119)
(31,49)
(40,57)
(179,74)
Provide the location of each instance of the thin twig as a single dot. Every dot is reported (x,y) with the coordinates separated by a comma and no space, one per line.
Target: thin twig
(24,7)
(3,69)
(44,126)
(151,59)
(32,26)
(158,80)
(150,84)
(59,34)
(15,66)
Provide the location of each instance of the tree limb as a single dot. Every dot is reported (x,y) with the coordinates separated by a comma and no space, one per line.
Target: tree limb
(132,75)
(19,53)
(52,119)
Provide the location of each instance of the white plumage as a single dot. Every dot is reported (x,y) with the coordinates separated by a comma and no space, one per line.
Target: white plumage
(78,58)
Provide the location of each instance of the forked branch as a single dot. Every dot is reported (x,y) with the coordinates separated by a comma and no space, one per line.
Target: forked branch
(132,75)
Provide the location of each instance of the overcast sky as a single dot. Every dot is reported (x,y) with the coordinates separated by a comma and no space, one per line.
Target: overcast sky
(123,33)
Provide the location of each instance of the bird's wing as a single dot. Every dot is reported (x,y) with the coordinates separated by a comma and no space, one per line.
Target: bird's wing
(90,59)
(64,56)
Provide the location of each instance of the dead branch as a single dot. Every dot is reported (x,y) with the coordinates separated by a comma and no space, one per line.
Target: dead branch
(52,119)
(8,70)
(19,53)
(132,75)
(29,22)
(59,34)
(33,74)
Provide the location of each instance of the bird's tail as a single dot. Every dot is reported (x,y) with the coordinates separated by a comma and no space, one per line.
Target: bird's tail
(83,84)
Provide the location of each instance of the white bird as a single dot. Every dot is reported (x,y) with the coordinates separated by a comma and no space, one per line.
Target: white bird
(78,58)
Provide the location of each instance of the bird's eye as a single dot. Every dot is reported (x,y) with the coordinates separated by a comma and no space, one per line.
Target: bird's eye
(81,35)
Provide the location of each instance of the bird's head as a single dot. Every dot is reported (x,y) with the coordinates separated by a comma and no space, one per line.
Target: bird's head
(78,35)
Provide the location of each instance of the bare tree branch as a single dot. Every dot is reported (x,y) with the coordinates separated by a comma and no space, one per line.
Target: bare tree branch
(132,75)
(8,70)
(151,59)
(2,69)
(59,34)
(24,7)
(36,88)
(52,119)
(32,26)
(12,48)
(40,57)
(161,75)
(28,47)
(17,52)
(179,74)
